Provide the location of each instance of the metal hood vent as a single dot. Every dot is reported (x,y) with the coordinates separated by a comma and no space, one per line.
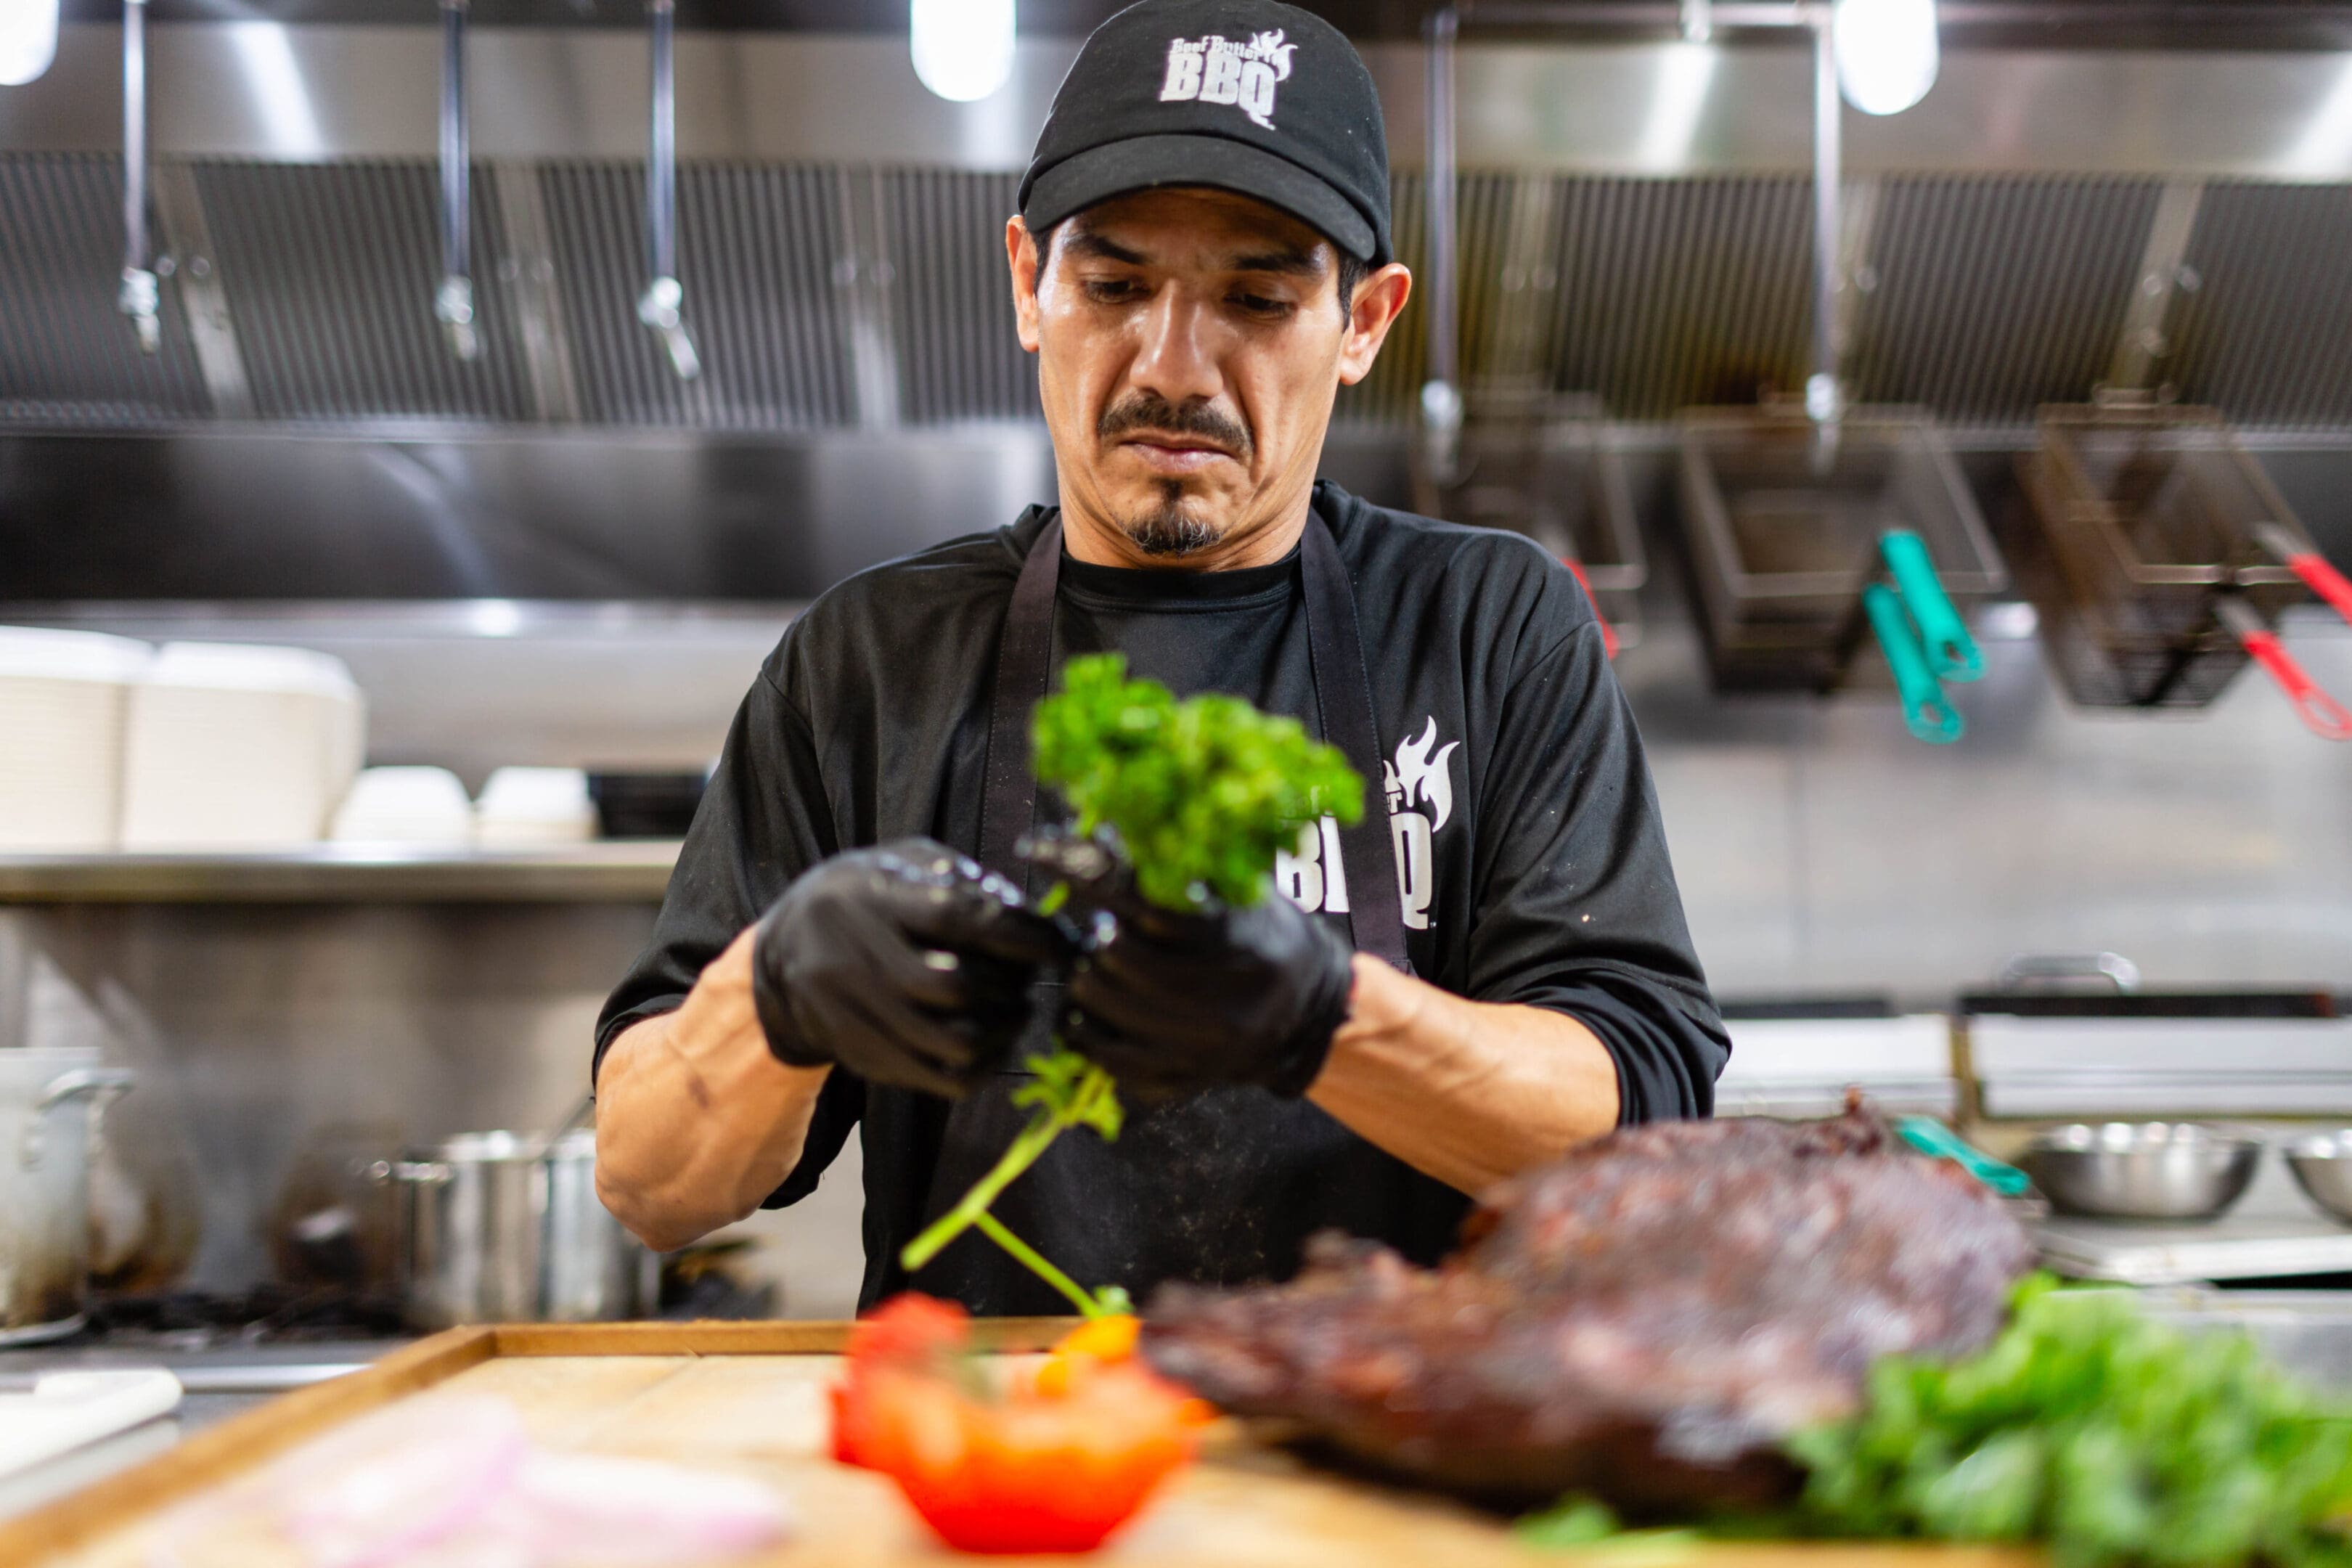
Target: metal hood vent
(942,264)
(828,296)
(1993,296)
(329,271)
(1675,292)
(66,355)
(757,249)
(2267,333)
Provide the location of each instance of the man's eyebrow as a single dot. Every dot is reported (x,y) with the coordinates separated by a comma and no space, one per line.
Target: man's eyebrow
(1305,263)
(1083,243)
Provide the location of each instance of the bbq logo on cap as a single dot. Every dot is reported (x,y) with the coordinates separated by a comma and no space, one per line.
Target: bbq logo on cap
(1218,69)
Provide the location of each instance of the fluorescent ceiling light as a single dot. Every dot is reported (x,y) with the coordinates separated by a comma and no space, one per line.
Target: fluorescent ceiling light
(1885,50)
(29,39)
(963,49)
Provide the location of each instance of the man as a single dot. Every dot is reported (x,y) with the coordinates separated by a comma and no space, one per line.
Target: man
(1202,257)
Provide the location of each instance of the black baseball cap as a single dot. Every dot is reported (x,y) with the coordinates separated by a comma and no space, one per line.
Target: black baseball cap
(1249,96)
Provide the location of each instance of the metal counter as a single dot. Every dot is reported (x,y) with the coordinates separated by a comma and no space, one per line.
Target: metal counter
(220,1383)
(624,871)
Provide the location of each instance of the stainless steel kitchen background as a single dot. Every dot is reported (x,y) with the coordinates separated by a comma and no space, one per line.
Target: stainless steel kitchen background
(543,556)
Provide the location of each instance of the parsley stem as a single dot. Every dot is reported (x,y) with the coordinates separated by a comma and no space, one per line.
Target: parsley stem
(988,1226)
(1022,1154)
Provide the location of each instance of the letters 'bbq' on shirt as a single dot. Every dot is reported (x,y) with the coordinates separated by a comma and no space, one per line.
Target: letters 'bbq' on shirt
(1531,858)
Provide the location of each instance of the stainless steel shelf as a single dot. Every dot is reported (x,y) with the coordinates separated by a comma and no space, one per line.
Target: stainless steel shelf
(2273,1233)
(628,871)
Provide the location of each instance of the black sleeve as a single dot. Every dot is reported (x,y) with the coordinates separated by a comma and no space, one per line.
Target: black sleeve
(764,820)
(1578,911)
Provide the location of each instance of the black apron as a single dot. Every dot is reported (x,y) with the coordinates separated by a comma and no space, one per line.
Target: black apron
(1163,1194)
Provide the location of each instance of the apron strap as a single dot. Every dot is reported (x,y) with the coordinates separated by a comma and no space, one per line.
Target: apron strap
(1008,802)
(1342,691)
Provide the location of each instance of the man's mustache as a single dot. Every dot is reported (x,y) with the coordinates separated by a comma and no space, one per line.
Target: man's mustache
(1198,421)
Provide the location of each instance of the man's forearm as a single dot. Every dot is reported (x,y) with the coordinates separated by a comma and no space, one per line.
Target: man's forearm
(696,1119)
(1468,1092)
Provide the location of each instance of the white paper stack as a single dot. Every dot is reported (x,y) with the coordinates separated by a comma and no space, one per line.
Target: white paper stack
(236,747)
(405,805)
(522,807)
(62,697)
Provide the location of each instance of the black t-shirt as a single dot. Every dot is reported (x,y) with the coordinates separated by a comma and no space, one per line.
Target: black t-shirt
(1531,858)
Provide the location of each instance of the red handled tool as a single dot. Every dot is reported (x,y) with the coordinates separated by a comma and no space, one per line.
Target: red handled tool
(2321,714)
(2308,564)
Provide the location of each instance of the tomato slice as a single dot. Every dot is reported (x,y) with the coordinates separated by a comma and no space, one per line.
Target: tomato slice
(1051,1466)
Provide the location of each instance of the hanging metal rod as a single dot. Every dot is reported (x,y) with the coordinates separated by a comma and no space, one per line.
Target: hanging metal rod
(140,297)
(661,306)
(1824,398)
(1441,393)
(454,305)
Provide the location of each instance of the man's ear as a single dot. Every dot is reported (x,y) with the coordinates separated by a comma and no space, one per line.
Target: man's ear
(1380,300)
(1021,255)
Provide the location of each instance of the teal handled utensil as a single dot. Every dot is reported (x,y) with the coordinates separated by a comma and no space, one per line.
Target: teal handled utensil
(1931,1137)
(1926,709)
(1952,654)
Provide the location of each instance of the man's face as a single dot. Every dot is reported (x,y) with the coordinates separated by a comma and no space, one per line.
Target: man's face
(1189,344)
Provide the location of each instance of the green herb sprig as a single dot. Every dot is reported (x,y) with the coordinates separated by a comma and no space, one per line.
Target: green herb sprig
(1201,793)
(2115,1438)
(2086,1425)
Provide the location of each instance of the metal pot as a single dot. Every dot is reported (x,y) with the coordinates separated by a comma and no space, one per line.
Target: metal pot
(51,1102)
(503,1227)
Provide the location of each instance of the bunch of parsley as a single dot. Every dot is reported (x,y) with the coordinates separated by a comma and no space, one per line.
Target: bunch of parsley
(2115,1438)
(2119,1441)
(1201,793)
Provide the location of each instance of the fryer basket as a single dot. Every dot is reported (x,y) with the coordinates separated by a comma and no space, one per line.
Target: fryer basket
(1783,529)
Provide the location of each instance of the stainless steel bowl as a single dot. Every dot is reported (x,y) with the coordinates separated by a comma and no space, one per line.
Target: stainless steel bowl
(2321,1164)
(2142,1170)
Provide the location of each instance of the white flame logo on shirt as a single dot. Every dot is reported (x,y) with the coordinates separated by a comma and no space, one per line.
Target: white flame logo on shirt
(1416,775)
(1314,873)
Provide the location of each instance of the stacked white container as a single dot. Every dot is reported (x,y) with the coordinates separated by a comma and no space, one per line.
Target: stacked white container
(531,807)
(238,748)
(62,701)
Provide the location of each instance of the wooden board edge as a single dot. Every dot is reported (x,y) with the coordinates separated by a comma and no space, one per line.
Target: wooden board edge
(237,1444)
(714,1336)
(244,1441)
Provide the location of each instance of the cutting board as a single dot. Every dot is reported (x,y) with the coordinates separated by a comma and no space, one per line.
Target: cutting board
(749,1398)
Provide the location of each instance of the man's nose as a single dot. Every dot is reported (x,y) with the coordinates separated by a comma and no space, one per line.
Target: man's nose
(1176,359)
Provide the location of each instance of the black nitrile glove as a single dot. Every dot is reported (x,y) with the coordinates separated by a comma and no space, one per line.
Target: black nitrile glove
(906,964)
(1171,1003)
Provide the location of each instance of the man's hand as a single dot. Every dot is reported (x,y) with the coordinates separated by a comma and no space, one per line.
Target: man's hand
(1172,1003)
(906,964)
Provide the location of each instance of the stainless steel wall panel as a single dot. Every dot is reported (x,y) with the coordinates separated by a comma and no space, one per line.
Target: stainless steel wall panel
(1681,291)
(1994,295)
(958,356)
(756,248)
(67,356)
(2267,334)
(329,272)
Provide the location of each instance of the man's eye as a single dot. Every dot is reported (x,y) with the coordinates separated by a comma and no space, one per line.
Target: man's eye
(1259,305)
(1113,290)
